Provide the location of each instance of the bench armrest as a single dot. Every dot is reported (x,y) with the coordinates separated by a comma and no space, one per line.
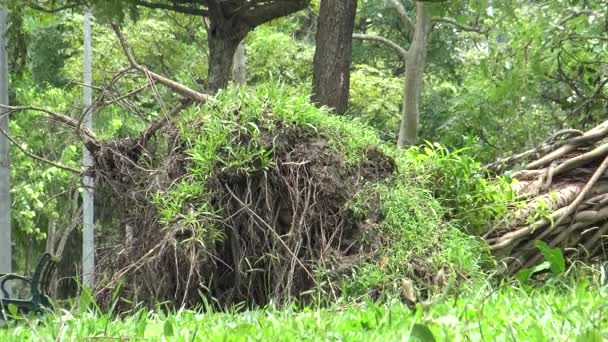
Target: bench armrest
(8,277)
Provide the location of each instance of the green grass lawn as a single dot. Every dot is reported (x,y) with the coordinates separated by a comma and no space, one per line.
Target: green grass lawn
(576,313)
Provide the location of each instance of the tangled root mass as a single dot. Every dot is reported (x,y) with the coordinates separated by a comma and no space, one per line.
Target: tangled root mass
(277,226)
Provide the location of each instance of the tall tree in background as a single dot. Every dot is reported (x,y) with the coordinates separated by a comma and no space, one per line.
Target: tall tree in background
(5,169)
(333,54)
(227,23)
(414,72)
(415,62)
(414,59)
(88,210)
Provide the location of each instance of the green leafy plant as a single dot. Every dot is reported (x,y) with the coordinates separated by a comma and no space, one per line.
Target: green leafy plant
(573,314)
(461,184)
(554,261)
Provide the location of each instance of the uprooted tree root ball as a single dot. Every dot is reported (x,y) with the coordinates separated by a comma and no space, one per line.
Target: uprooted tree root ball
(250,233)
(257,196)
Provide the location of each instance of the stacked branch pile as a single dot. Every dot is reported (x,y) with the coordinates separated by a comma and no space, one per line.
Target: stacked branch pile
(562,192)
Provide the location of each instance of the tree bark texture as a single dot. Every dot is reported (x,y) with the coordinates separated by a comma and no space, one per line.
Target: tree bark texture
(333,54)
(221,54)
(5,168)
(239,68)
(414,72)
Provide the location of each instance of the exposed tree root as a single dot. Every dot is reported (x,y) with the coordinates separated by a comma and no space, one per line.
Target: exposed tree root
(564,189)
(276,227)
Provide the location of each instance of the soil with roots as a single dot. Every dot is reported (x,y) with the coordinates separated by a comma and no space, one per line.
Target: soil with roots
(278,226)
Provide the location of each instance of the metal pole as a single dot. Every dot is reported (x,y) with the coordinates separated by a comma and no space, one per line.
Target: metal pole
(5,166)
(88,236)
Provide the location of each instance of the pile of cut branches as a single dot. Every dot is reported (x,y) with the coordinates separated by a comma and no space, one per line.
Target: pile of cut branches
(562,189)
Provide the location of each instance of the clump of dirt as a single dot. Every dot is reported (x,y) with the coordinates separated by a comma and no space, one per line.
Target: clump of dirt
(277,226)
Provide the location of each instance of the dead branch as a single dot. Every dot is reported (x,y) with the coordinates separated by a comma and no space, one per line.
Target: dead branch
(400,51)
(87,135)
(38,158)
(177,87)
(150,131)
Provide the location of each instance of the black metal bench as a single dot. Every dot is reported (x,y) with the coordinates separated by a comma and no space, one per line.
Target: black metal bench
(38,285)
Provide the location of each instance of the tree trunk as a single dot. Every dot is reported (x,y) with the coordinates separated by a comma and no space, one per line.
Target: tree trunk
(5,168)
(239,69)
(414,72)
(88,215)
(221,54)
(331,77)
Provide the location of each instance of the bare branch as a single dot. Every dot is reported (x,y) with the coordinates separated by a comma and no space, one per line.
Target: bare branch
(272,10)
(127,95)
(576,14)
(89,136)
(587,37)
(38,158)
(173,7)
(177,87)
(53,10)
(407,23)
(462,27)
(400,51)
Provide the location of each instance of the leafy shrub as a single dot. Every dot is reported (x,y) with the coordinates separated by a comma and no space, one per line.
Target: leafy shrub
(375,98)
(274,56)
(462,185)
(418,242)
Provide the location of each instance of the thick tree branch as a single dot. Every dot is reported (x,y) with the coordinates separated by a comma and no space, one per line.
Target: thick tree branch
(272,10)
(177,87)
(581,196)
(172,7)
(88,135)
(53,10)
(462,27)
(407,23)
(400,51)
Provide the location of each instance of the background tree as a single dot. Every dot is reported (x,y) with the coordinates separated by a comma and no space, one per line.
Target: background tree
(538,71)
(414,71)
(415,57)
(227,23)
(333,54)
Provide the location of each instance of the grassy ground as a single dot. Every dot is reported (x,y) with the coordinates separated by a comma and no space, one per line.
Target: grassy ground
(556,313)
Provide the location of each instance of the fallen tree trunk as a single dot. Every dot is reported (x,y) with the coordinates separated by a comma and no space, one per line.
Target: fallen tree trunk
(563,189)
